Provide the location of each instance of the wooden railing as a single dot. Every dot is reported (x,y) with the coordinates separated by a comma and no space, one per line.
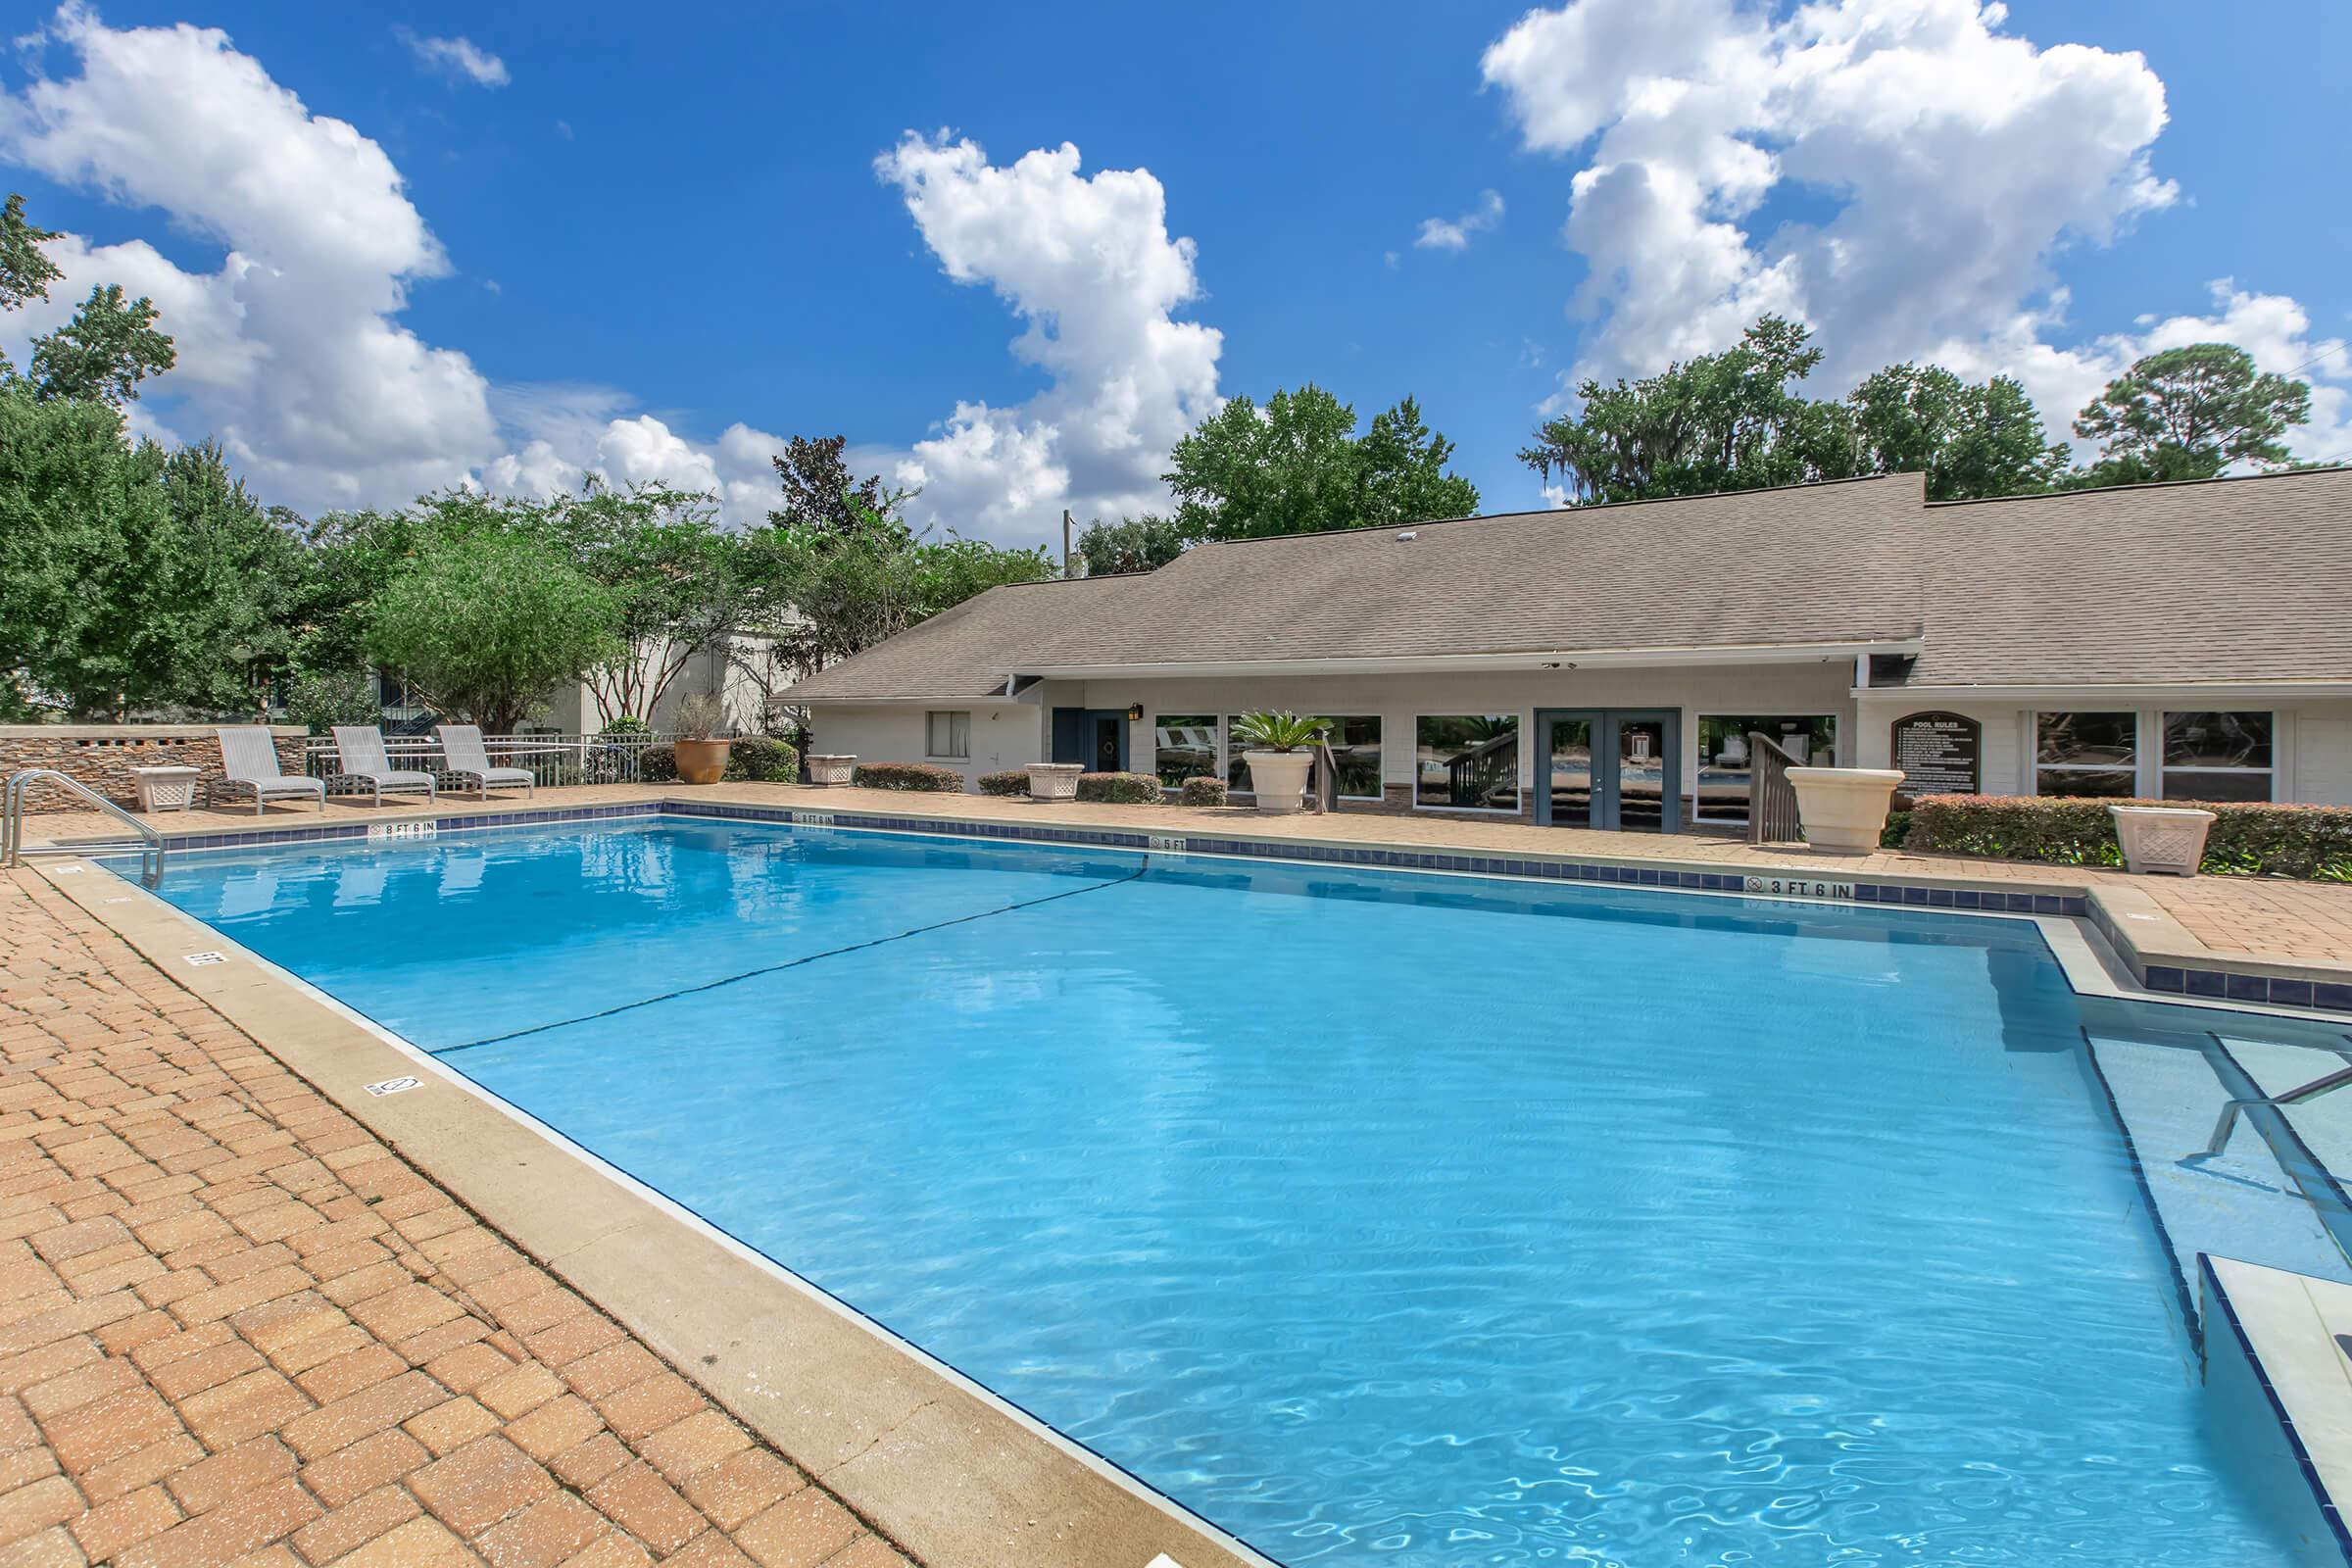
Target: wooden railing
(1770,798)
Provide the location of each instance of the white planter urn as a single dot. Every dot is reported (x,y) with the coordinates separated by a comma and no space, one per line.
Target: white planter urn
(2162,840)
(831,768)
(1279,778)
(1844,809)
(1055,781)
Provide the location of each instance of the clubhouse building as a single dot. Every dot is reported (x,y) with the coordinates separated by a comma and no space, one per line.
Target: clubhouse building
(1605,666)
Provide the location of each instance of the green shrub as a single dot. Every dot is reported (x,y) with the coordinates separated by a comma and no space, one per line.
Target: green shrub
(657,764)
(1897,831)
(1203,791)
(320,700)
(627,724)
(926,776)
(1120,788)
(2256,839)
(1011,781)
(761,759)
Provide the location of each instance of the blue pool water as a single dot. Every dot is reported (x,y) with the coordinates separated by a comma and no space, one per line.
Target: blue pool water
(1432,1221)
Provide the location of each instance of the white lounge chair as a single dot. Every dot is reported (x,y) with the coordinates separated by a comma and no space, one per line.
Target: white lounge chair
(248,759)
(467,757)
(360,755)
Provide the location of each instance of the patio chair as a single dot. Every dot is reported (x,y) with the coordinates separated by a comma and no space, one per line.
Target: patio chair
(469,758)
(248,759)
(360,755)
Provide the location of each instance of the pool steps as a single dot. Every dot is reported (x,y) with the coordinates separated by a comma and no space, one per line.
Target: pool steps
(2279,1383)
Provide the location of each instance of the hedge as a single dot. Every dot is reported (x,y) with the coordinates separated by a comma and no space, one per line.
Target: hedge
(925,776)
(657,764)
(1120,788)
(762,759)
(2311,842)
(1011,781)
(1203,791)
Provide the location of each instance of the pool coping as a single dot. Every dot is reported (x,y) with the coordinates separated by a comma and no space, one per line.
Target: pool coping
(952,1472)
(2288,1332)
(2161,957)
(927,1454)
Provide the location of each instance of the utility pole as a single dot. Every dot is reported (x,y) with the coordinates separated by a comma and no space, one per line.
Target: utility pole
(1065,541)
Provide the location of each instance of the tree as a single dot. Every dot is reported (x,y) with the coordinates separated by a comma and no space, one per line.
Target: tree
(2190,413)
(1971,439)
(1720,422)
(105,352)
(236,574)
(25,269)
(1298,467)
(484,624)
(821,492)
(1131,544)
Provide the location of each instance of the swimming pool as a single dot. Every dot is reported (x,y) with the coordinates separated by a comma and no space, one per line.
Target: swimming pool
(1375,1217)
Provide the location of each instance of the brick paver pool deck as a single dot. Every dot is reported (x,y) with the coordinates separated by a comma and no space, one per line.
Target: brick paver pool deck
(237,1328)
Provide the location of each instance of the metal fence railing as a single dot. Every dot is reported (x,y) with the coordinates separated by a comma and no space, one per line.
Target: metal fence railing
(552,759)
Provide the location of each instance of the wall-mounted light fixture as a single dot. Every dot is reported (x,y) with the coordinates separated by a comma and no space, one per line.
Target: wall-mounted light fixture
(1135,712)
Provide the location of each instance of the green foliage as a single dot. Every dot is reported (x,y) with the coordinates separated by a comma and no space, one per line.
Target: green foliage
(1721,421)
(1131,544)
(657,764)
(820,493)
(105,352)
(320,700)
(1203,791)
(1971,439)
(2311,842)
(1009,781)
(923,777)
(484,624)
(25,269)
(1270,731)
(1298,467)
(627,724)
(2190,413)
(833,591)
(761,759)
(1120,788)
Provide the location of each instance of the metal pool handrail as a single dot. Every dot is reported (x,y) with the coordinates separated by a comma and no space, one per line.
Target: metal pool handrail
(12,823)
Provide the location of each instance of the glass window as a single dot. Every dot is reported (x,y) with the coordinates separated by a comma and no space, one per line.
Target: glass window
(1724,763)
(1236,771)
(2217,756)
(2087,753)
(1184,745)
(1469,761)
(948,734)
(1355,747)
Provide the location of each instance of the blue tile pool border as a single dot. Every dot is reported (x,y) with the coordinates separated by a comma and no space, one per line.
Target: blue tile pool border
(2222,983)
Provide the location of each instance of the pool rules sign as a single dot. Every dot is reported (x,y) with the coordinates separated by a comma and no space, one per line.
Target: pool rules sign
(1939,753)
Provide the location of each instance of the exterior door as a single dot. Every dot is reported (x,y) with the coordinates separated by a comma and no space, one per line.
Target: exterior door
(1095,738)
(1618,770)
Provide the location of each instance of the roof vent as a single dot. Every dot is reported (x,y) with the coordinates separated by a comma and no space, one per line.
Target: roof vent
(1409,533)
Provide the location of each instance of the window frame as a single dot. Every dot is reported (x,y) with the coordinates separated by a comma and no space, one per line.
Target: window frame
(953,716)
(2034,765)
(1518,805)
(1698,759)
(2165,769)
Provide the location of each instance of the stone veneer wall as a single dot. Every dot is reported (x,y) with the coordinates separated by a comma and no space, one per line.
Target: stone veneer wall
(103,755)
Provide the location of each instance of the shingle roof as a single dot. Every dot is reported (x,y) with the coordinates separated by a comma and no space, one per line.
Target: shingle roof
(1829,564)
(2223,580)
(965,651)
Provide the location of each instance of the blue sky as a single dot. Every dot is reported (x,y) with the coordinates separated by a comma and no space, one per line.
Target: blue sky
(670,219)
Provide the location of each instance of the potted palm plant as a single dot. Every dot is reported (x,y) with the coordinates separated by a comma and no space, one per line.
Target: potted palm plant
(701,751)
(1282,748)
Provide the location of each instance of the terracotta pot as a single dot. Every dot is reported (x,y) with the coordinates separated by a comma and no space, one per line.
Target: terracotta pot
(1278,778)
(1844,809)
(701,762)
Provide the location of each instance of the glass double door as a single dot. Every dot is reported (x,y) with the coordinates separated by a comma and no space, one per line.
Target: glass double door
(1609,768)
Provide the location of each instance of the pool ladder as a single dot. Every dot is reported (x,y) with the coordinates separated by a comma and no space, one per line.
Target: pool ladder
(2326,1083)
(13,849)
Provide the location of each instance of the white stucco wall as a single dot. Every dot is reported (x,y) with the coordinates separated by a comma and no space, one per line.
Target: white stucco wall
(2311,742)
(1004,734)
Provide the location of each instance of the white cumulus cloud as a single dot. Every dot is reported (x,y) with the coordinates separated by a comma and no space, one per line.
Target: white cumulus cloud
(456,57)
(1932,165)
(1453,235)
(1087,264)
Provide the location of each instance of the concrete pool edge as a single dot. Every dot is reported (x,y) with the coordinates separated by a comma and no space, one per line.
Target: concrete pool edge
(954,1475)
(2276,1348)
(2164,960)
